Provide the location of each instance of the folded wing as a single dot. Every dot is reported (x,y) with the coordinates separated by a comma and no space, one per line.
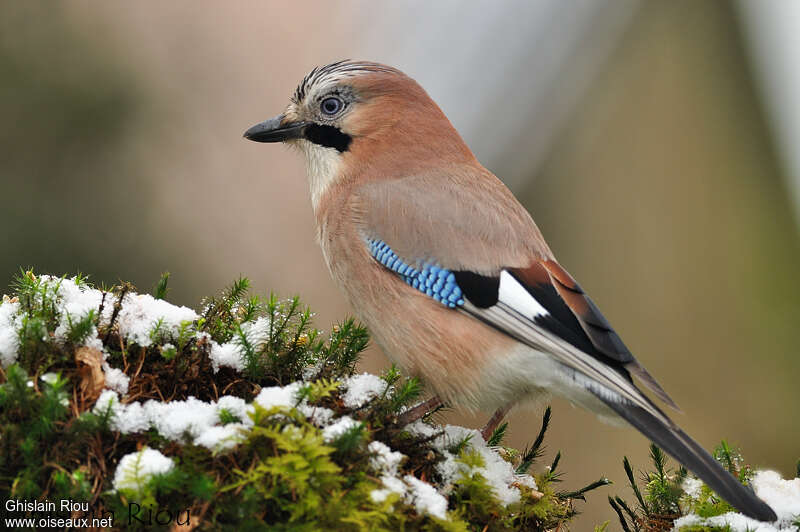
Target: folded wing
(554,316)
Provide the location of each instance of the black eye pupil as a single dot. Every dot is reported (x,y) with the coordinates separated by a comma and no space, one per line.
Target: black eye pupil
(331,106)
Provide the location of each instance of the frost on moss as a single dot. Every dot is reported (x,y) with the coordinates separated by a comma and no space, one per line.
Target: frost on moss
(239,415)
(671,499)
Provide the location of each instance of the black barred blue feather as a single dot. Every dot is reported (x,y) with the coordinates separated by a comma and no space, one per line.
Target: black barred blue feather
(438,283)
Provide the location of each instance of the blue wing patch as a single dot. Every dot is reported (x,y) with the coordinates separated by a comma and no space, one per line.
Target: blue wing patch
(438,283)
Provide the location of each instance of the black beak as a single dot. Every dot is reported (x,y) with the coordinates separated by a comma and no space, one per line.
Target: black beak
(275,130)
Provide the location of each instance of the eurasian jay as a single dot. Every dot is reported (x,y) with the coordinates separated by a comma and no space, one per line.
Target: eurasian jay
(450,272)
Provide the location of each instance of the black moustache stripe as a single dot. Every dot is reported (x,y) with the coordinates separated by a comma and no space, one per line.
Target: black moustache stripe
(328,136)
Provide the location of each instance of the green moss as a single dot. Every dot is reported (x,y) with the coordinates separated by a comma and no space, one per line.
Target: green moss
(663,499)
(56,442)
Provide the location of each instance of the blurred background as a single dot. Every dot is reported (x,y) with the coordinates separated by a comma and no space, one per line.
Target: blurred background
(656,143)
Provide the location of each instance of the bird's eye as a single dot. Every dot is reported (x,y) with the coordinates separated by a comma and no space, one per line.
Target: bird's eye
(331,106)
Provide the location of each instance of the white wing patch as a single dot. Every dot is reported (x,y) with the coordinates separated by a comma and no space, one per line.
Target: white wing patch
(515,313)
(513,294)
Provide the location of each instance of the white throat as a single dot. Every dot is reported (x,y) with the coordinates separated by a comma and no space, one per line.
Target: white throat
(322,166)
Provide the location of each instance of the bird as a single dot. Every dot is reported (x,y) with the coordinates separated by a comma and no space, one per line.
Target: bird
(449,271)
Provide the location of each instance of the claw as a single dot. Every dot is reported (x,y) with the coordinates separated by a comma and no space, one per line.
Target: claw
(413,414)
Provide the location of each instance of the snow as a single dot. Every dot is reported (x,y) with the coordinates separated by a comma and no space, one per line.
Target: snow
(782,495)
(229,354)
(75,303)
(139,315)
(383,459)
(10,322)
(736,522)
(136,469)
(282,396)
(116,379)
(319,415)
(94,342)
(234,405)
(142,312)
(192,420)
(362,388)
(425,498)
(499,474)
(338,428)
(391,485)
(131,418)
(259,331)
(199,421)
(175,419)
(692,486)
(222,438)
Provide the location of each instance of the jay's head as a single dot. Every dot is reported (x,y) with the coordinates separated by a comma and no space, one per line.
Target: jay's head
(350,115)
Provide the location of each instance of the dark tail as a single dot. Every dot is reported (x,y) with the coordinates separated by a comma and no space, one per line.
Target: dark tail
(696,459)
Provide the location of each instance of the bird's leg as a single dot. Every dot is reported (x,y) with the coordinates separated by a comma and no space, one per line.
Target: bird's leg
(413,414)
(494,422)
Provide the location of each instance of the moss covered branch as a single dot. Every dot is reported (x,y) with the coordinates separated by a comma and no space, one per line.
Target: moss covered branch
(239,415)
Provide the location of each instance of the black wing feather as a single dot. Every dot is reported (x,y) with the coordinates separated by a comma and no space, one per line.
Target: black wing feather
(562,324)
(689,453)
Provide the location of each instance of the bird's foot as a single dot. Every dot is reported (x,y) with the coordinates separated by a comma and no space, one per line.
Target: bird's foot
(417,412)
(494,422)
